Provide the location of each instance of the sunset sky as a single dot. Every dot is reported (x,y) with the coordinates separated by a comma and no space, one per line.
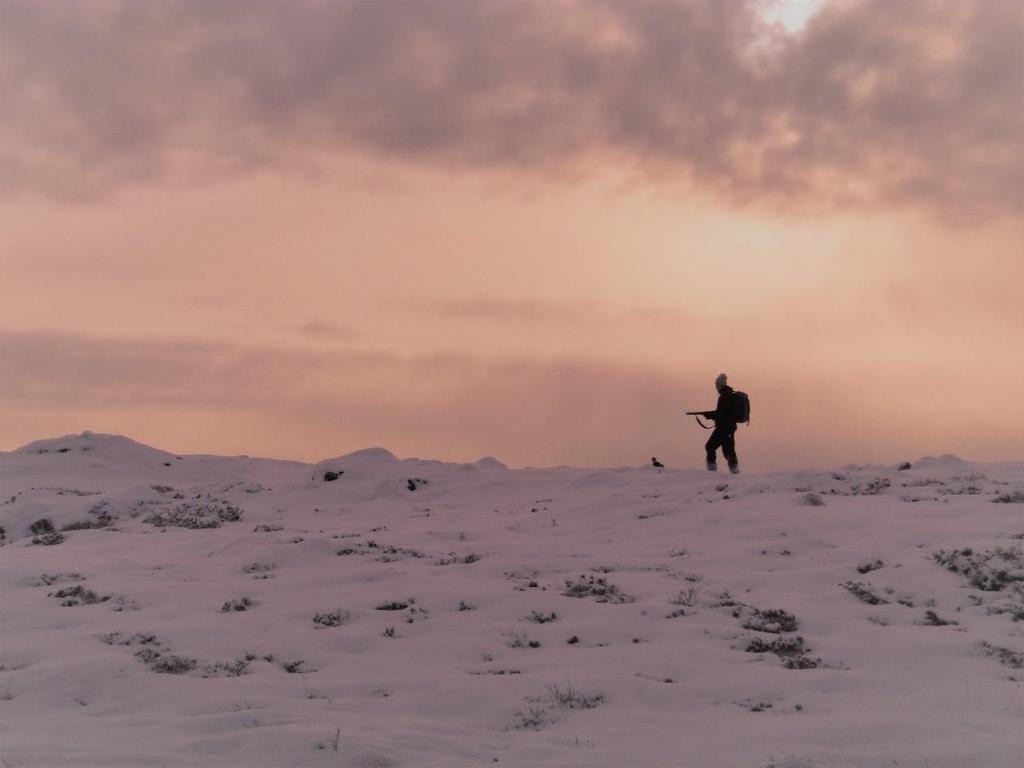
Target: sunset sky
(532,229)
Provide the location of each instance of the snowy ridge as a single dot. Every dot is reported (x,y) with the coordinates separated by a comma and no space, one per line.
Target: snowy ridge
(375,611)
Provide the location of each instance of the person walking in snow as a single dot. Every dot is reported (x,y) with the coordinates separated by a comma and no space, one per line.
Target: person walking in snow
(726,417)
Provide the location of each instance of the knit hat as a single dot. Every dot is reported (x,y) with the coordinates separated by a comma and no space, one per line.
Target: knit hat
(720,380)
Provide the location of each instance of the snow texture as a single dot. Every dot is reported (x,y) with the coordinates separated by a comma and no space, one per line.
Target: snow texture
(165,610)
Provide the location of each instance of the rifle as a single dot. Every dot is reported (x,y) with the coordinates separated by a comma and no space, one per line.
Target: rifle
(705,414)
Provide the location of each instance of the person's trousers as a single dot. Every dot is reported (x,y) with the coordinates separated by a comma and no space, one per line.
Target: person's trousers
(726,440)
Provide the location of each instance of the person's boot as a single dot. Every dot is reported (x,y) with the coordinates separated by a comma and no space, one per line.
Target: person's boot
(712,467)
(734,468)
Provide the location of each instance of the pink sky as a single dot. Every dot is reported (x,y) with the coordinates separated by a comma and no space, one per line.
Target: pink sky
(531,230)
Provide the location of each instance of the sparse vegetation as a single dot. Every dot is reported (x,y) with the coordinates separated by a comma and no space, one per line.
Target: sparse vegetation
(82,525)
(688,598)
(772,620)
(258,568)
(1013,497)
(541,618)
(932,619)
(335,618)
(863,592)
(596,587)
(1005,656)
(78,595)
(47,540)
(170,664)
(196,513)
(453,559)
(543,710)
(237,605)
(990,571)
(40,527)
(870,488)
(870,565)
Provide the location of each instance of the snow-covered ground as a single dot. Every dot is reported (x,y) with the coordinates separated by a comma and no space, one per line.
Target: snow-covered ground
(416,613)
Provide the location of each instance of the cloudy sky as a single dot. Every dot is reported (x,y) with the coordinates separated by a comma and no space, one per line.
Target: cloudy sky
(533,229)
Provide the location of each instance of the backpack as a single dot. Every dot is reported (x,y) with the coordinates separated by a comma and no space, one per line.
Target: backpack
(741,407)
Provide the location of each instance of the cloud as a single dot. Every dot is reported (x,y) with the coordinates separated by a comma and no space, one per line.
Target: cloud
(874,103)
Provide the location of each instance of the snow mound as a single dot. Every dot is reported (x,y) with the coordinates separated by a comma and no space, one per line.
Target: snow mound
(108,448)
(487,462)
(945,460)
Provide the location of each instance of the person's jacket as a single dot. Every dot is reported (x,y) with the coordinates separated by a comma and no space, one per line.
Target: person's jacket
(725,412)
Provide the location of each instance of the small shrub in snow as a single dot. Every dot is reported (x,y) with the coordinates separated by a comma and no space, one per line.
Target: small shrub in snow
(293,667)
(780,646)
(390,631)
(82,525)
(197,513)
(571,698)
(235,668)
(134,639)
(393,605)
(1003,655)
(724,600)
(869,565)
(267,528)
(533,718)
(596,587)
(542,711)
(990,571)
(388,554)
(932,619)
(812,500)
(238,604)
(519,640)
(1014,497)
(47,540)
(333,618)
(415,482)
(79,595)
(464,606)
(258,568)
(453,559)
(416,614)
(40,527)
(863,592)
(772,620)
(799,662)
(541,618)
(687,598)
(48,579)
(872,488)
(168,664)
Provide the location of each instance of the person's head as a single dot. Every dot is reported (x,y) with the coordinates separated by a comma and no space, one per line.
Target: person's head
(720,381)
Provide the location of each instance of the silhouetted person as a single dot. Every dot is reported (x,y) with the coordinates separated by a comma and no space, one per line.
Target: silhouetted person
(725,417)
(655,463)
